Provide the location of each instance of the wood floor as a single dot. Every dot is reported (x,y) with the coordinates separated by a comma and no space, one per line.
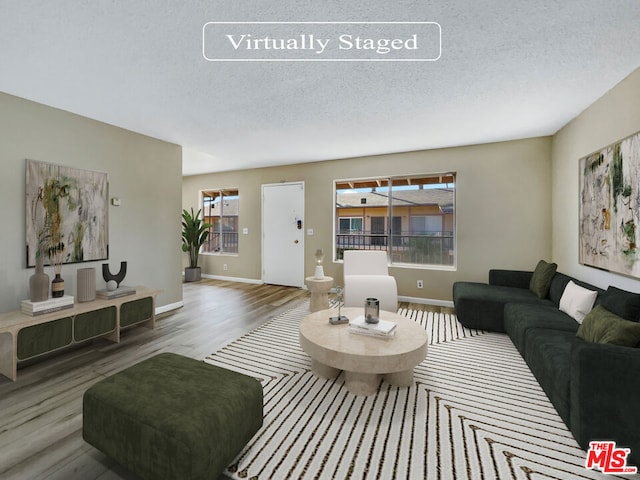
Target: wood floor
(41,413)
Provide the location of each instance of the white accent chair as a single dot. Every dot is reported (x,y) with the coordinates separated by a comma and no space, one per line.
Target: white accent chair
(366,274)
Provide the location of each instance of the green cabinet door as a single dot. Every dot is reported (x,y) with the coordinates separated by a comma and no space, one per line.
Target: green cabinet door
(136,311)
(95,323)
(45,337)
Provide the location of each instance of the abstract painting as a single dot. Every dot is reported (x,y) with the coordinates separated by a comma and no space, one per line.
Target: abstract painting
(67,214)
(609,207)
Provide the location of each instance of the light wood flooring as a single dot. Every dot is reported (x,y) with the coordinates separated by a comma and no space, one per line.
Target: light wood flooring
(41,413)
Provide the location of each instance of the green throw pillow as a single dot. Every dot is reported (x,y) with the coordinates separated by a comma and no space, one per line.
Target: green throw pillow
(602,326)
(541,279)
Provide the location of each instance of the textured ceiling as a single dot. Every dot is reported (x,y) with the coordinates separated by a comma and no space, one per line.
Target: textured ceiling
(509,69)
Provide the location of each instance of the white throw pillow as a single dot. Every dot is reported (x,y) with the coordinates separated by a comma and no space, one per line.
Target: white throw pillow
(577,301)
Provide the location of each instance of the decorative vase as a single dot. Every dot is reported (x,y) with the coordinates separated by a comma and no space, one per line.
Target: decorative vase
(39,283)
(86,284)
(57,286)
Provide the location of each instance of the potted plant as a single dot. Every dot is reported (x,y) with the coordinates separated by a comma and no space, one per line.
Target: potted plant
(194,234)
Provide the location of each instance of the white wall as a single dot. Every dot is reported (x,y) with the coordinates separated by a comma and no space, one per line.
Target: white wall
(613,117)
(144,172)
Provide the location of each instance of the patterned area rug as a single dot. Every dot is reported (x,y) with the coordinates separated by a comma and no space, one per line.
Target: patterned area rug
(475,412)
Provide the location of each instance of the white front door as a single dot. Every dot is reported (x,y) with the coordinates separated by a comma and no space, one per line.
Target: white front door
(283,234)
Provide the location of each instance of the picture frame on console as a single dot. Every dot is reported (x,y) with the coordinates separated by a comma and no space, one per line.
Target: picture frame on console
(609,207)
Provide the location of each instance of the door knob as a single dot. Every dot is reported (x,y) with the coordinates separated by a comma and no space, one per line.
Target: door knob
(295,241)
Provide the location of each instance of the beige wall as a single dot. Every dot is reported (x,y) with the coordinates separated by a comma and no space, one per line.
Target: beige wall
(613,117)
(144,172)
(503,206)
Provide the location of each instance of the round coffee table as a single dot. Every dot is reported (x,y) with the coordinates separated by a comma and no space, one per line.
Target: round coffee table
(363,358)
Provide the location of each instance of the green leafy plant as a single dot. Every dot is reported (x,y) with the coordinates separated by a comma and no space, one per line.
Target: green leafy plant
(194,234)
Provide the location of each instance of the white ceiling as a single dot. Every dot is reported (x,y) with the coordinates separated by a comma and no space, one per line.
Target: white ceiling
(509,69)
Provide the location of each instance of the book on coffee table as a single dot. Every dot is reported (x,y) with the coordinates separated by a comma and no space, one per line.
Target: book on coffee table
(384,328)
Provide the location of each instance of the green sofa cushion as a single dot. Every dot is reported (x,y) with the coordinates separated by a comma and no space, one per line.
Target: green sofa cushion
(172,417)
(603,326)
(622,303)
(519,318)
(542,277)
(481,306)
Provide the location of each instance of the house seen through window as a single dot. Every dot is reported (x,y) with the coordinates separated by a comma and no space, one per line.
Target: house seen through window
(221,209)
(410,217)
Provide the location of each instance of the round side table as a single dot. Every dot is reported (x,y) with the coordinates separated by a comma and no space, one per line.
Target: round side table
(319,289)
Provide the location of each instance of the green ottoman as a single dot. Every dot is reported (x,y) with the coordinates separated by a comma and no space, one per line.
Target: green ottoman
(172,417)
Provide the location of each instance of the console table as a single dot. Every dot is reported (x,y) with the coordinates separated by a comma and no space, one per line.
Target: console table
(23,337)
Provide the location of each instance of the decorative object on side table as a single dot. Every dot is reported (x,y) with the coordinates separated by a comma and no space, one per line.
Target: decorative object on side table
(194,234)
(86,284)
(371,310)
(319,272)
(340,319)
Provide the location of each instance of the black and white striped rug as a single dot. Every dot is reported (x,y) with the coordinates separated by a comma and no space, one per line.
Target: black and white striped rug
(475,412)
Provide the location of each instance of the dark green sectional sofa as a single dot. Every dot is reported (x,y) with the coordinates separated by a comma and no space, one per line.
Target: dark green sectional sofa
(594,387)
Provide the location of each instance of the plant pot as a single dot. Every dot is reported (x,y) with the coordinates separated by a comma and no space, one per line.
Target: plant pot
(192,274)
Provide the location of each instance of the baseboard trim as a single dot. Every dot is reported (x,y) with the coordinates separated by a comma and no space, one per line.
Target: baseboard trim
(421,300)
(233,279)
(169,307)
(427,301)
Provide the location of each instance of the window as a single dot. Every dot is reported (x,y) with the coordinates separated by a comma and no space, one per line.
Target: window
(351,225)
(410,217)
(220,209)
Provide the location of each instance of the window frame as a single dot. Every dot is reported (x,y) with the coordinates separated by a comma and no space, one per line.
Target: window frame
(394,239)
(233,194)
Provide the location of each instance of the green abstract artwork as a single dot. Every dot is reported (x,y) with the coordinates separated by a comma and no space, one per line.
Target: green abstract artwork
(609,208)
(66,214)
